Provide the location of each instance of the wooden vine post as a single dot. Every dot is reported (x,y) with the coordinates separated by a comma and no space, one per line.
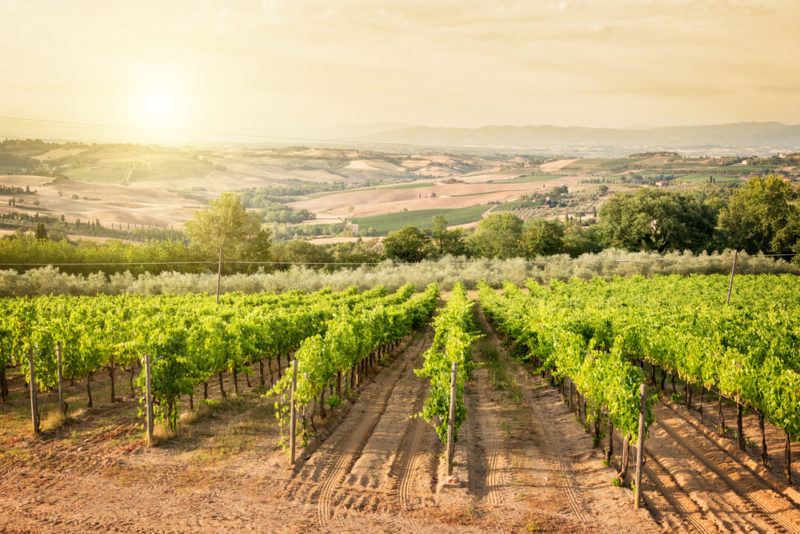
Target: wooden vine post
(148,399)
(637,495)
(219,274)
(34,394)
(293,414)
(62,406)
(451,419)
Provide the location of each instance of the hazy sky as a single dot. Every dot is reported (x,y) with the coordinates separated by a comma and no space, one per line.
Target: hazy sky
(290,66)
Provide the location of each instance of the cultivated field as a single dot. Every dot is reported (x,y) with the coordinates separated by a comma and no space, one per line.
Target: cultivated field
(524,461)
(162,187)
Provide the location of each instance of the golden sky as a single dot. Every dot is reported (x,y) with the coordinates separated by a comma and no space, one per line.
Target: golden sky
(291,66)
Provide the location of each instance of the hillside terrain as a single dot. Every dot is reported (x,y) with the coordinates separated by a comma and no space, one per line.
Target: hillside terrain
(330,192)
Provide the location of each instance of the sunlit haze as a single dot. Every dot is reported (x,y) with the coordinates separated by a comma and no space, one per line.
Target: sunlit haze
(292,67)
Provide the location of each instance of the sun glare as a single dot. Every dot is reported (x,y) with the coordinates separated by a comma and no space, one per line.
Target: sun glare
(158,108)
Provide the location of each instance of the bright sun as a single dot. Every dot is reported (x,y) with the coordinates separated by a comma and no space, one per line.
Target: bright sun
(158,107)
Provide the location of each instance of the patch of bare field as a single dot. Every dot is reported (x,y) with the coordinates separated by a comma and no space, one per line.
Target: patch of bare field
(554,166)
(375,165)
(436,171)
(379,201)
(414,164)
(22,180)
(58,153)
(106,203)
(326,153)
(322,220)
(491,176)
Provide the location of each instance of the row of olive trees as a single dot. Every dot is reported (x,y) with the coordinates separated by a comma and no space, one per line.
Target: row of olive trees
(445,271)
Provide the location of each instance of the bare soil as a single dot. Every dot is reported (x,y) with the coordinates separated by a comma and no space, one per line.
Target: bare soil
(535,467)
(378,201)
(697,480)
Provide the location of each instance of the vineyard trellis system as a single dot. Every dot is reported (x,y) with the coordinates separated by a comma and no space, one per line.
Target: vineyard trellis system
(189,339)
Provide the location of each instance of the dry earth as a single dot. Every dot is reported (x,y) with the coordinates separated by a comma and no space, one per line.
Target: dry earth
(379,201)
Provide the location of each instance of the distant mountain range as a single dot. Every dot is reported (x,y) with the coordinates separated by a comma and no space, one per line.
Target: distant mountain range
(744,136)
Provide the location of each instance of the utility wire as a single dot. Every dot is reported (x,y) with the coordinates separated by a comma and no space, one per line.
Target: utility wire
(347,263)
(209,262)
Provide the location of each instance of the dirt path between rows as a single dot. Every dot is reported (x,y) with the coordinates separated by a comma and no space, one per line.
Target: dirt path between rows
(704,487)
(380,459)
(532,466)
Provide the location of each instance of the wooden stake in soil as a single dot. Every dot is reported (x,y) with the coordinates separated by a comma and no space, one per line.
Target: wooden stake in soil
(451,419)
(787,451)
(34,394)
(148,399)
(640,449)
(740,427)
(61,405)
(293,414)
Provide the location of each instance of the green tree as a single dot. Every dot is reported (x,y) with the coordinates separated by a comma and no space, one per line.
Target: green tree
(543,238)
(761,217)
(41,231)
(653,220)
(498,236)
(447,241)
(258,249)
(299,251)
(224,230)
(407,244)
(581,240)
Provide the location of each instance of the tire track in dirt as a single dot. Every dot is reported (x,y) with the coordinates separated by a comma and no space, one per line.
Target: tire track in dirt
(776,513)
(374,477)
(486,460)
(408,462)
(553,467)
(542,405)
(331,463)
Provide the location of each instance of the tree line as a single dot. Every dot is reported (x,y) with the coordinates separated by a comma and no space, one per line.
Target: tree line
(759,217)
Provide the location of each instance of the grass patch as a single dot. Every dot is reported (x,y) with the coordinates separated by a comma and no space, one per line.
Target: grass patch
(498,374)
(529,178)
(383,224)
(703,178)
(53,420)
(162,433)
(506,429)
(412,185)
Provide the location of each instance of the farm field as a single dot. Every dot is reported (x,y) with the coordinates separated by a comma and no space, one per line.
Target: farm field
(531,454)
(161,187)
(422,219)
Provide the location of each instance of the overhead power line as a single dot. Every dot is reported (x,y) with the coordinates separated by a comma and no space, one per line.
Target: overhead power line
(137,263)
